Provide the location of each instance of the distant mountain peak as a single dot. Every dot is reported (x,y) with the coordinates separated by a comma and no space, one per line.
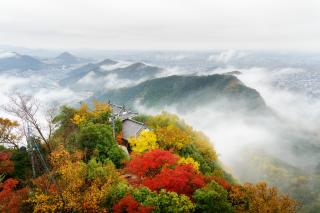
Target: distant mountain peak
(65,55)
(14,60)
(107,61)
(138,64)
(68,59)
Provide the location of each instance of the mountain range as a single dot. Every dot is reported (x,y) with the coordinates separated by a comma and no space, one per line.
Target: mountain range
(16,61)
(189,92)
(106,69)
(134,83)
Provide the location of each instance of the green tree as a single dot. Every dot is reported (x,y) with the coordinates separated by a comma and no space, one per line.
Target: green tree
(95,137)
(22,164)
(164,202)
(97,140)
(212,199)
(117,155)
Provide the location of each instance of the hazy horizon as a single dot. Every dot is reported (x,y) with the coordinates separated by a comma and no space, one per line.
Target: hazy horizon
(161,25)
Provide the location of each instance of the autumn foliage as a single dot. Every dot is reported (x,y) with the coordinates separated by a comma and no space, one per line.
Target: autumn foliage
(6,165)
(129,205)
(170,168)
(260,198)
(183,179)
(147,140)
(82,186)
(150,163)
(8,133)
(10,197)
(222,182)
(160,170)
(119,138)
(172,137)
(189,161)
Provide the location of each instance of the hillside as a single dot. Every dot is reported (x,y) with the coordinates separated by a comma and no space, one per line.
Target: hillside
(189,92)
(82,167)
(108,69)
(12,60)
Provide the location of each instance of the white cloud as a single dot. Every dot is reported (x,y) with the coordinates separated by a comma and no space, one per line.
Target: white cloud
(88,79)
(226,56)
(112,81)
(58,95)
(7,55)
(231,133)
(176,70)
(120,64)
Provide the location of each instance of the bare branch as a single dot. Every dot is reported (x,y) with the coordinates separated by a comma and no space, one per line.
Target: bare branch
(26,109)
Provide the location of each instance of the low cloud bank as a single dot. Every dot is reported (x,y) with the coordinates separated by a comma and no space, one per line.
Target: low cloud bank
(295,124)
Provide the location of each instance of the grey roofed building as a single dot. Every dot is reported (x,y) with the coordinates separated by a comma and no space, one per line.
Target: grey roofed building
(121,112)
(131,128)
(116,109)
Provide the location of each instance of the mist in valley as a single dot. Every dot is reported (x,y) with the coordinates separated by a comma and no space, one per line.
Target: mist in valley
(274,145)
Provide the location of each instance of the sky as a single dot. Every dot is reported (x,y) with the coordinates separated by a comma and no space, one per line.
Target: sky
(161,24)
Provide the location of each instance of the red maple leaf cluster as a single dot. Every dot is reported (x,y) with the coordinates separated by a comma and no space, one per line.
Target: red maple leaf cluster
(6,165)
(11,199)
(129,205)
(222,182)
(182,179)
(158,169)
(150,163)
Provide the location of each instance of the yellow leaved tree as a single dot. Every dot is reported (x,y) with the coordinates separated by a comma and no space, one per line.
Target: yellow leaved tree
(146,141)
(191,161)
(260,198)
(78,187)
(84,113)
(172,137)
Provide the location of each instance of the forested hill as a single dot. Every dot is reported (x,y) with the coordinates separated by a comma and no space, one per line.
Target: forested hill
(188,92)
(84,164)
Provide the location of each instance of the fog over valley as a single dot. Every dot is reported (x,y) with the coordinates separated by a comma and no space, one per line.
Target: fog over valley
(260,110)
(180,106)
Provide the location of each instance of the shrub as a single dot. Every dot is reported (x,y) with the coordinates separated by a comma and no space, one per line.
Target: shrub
(129,205)
(146,141)
(183,179)
(150,163)
(95,137)
(191,161)
(212,198)
(163,201)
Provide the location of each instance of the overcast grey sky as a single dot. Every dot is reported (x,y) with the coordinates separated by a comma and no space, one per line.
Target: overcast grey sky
(161,24)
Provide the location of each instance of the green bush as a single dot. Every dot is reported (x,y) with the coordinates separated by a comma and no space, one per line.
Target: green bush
(212,199)
(95,137)
(117,155)
(164,202)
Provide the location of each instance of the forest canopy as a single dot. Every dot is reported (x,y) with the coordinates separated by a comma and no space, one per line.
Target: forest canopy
(86,166)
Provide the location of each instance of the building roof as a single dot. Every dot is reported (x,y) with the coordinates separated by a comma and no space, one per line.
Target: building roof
(121,112)
(116,109)
(131,128)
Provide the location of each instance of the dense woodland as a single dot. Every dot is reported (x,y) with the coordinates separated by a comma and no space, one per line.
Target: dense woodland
(80,166)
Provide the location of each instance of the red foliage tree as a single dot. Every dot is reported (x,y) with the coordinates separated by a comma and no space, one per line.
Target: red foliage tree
(10,199)
(183,179)
(6,165)
(222,182)
(150,163)
(219,180)
(129,205)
